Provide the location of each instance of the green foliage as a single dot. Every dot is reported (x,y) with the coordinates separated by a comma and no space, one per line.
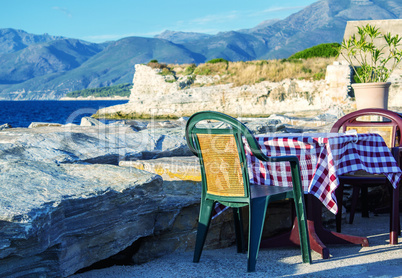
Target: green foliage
(325,50)
(190,69)
(156,65)
(360,72)
(218,60)
(166,71)
(116,90)
(319,76)
(367,59)
(306,70)
(262,62)
(202,71)
(293,61)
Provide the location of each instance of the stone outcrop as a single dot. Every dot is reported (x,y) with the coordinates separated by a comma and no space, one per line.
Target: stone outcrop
(184,168)
(57,219)
(93,144)
(156,96)
(41,124)
(4,126)
(152,97)
(59,213)
(63,206)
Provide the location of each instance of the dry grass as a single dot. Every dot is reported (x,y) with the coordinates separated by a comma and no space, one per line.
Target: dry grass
(244,73)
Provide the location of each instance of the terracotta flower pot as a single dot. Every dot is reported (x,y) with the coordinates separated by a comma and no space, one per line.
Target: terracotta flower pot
(371,95)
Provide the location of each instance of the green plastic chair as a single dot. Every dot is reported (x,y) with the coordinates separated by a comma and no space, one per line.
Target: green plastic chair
(225,180)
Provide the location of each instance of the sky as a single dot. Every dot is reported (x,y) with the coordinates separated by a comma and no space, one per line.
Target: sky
(109,20)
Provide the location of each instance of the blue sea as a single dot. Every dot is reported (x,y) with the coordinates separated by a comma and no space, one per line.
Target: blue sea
(23,113)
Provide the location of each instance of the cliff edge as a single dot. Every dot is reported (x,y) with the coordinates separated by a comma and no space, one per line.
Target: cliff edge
(156,96)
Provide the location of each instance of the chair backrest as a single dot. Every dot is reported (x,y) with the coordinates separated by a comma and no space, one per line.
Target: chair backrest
(389,125)
(221,159)
(220,149)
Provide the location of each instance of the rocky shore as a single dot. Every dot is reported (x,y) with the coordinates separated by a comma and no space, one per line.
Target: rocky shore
(95,98)
(66,204)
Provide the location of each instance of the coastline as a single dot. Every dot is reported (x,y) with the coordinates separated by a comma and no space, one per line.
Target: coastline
(95,98)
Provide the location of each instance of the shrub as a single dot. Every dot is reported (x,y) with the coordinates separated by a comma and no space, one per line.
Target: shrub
(260,63)
(156,65)
(116,90)
(189,70)
(306,70)
(319,76)
(251,72)
(325,50)
(218,60)
(293,61)
(166,71)
(202,71)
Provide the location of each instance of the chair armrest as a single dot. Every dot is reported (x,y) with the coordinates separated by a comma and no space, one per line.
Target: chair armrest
(289,158)
(262,157)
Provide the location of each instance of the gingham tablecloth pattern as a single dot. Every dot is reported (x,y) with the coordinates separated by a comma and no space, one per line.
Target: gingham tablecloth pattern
(322,159)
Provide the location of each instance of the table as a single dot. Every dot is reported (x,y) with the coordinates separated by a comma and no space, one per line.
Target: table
(323,157)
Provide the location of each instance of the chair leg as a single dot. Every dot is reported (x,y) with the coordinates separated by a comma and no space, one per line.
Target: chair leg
(238,221)
(355,196)
(339,199)
(257,211)
(303,231)
(206,208)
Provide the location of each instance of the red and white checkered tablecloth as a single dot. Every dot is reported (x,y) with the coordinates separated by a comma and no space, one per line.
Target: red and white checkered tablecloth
(323,157)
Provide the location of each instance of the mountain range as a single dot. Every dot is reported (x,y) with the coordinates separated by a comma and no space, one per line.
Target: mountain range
(48,67)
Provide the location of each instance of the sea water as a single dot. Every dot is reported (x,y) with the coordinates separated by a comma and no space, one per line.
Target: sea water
(23,113)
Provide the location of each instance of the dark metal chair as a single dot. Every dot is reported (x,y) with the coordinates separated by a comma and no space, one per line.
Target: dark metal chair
(388,124)
(225,180)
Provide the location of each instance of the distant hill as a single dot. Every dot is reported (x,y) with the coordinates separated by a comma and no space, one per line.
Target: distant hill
(182,37)
(12,40)
(113,65)
(260,26)
(45,58)
(48,67)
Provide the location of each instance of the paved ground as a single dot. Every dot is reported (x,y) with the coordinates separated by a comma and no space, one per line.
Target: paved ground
(378,260)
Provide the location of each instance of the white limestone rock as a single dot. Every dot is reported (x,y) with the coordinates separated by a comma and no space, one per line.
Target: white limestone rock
(151,96)
(57,219)
(98,144)
(88,121)
(42,124)
(5,126)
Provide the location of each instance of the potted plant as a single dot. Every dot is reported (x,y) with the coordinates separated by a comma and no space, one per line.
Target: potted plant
(373,57)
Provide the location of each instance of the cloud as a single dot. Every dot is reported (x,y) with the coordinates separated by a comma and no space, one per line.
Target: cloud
(103,38)
(113,37)
(208,24)
(230,16)
(280,9)
(64,10)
